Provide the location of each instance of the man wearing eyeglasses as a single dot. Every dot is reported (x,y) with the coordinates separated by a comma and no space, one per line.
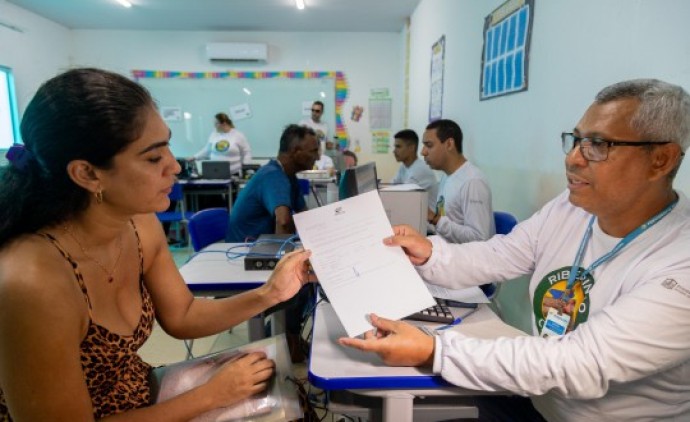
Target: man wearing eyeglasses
(609,260)
(320,127)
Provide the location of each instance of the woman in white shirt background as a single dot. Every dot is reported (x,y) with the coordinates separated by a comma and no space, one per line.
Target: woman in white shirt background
(226,143)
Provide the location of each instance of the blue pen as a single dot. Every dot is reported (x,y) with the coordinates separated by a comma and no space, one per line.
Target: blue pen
(457,320)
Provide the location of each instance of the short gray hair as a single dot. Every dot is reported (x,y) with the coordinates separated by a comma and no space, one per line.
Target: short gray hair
(664,111)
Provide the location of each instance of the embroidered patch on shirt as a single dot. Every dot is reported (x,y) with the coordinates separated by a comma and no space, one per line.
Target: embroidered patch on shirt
(549,292)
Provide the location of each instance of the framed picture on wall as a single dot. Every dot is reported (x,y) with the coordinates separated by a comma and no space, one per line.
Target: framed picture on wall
(438,52)
(505,57)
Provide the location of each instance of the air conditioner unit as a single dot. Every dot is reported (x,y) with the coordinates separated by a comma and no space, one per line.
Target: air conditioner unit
(238,52)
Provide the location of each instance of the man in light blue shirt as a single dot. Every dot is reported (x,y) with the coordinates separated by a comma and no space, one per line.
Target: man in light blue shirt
(413,169)
(462,212)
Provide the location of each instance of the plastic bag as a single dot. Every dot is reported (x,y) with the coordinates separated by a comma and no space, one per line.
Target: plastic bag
(278,403)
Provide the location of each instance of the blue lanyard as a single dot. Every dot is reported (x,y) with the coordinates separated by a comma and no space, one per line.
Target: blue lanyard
(622,244)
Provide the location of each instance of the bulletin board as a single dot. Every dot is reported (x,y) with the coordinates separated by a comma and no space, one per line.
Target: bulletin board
(260,104)
(438,57)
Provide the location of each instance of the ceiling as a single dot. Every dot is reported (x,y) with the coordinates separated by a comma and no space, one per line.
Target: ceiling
(227,15)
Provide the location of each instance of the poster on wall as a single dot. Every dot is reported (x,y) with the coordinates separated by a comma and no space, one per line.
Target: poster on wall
(380,109)
(240,112)
(505,57)
(438,52)
(380,141)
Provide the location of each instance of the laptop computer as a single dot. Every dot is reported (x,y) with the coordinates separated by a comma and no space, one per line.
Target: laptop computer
(215,170)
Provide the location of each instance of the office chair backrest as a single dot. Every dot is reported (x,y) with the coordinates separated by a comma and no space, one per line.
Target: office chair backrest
(208,226)
(304,186)
(504,222)
(176,194)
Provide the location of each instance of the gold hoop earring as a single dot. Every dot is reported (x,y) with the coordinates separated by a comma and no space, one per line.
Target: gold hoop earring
(99,196)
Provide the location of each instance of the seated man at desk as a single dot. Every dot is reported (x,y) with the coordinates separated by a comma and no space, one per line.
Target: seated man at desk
(269,199)
(463,210)
(610,284)
(412,168)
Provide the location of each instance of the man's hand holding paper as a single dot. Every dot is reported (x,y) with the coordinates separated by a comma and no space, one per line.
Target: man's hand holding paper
(416,247)
(398,343)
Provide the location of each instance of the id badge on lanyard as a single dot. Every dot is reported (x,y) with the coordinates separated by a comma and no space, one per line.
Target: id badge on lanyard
(556,324)
(557,321)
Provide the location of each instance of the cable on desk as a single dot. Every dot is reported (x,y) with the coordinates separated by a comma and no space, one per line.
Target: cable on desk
(232,255)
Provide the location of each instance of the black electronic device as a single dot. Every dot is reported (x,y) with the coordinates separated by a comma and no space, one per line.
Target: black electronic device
(445,311)
(215,170)
(187,169)
(358,180)
(437,313)
(267,251)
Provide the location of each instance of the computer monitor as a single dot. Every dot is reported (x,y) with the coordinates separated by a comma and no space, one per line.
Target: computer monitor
(187,169)
(358,180)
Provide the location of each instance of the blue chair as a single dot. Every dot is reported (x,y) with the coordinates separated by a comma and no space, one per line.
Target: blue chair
(179,215)
(504,224)
(205,227)
(208,226)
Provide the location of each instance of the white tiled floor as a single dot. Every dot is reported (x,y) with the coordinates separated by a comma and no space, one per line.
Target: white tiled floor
(163,349)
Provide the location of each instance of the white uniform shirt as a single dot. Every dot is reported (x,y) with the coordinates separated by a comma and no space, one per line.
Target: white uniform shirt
(421,174)
(629,357)
(323,163)
(229,146)
(320,128)
(464,203)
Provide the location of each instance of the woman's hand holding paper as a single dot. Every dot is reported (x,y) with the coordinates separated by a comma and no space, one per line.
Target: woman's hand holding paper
(291,273)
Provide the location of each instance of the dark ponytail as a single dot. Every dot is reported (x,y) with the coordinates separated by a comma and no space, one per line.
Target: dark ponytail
(82,114)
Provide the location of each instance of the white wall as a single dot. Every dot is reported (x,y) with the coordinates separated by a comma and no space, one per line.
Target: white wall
(578,47)
(369,60)
(36,54)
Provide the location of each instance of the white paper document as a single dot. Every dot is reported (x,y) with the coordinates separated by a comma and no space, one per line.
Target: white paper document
(357,271)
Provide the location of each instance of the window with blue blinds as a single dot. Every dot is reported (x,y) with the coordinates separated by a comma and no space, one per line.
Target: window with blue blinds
(506,49)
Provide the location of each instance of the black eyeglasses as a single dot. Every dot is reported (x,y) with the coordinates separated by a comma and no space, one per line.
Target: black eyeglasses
(597,149)
(316,110)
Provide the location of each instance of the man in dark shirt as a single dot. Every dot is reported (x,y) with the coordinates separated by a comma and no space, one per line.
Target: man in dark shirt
(272,195)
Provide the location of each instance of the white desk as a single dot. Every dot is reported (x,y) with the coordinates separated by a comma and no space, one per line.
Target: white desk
(334,367)
(211,273)
(322,192)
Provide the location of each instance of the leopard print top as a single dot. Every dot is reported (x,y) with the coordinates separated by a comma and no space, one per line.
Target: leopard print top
(116,376)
